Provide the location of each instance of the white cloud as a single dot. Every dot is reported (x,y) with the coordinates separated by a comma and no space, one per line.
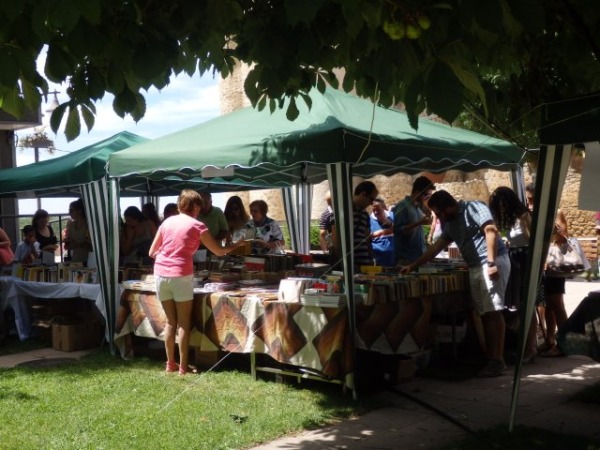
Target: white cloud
(185,102)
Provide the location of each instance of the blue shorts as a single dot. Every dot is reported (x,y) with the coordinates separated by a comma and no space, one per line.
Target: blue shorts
(180,289)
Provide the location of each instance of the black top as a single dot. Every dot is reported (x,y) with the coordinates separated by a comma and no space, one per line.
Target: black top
(45,241)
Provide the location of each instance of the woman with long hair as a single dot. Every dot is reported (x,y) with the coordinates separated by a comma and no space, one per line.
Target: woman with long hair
(237,218)
(44,234)
(77,235)
(512,216)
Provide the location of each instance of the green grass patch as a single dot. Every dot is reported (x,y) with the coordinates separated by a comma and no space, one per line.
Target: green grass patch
(522,438)
(103,402)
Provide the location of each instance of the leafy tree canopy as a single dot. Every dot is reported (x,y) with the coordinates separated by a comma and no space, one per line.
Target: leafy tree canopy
(498,59)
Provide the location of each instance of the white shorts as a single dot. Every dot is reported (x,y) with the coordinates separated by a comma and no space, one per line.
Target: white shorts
(180,289)
(488,295)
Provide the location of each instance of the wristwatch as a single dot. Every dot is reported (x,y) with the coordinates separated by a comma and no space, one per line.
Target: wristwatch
(491,264)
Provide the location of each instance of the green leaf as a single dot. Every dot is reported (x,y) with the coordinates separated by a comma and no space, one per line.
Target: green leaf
(115,81)
(272,105)
(57,66)
(31,95)
(292,112)
(301,11)
(488,15)
(413,100)
(88,117)
(307,100)
(9,74)
(372,13)
(12,102)
(64,15)
(146,64)
(139,110)
(354,21)
(262,102)
(39,20)
(470,80)
(91,10)
(347,83)
(57,116)
(11,9)
(124,103)
(321,86)
(96,83)
(530,13)
(73,126)
(443,92)
(250,88)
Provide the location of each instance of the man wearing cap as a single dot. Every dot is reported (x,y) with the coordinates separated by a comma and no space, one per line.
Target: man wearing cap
(409,218)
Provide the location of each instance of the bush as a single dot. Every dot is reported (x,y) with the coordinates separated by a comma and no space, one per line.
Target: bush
(314,235)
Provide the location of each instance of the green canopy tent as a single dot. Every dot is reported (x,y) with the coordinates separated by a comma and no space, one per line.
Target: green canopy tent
(564,124)
(82,173)
(340,135)
(63,176)
(251,147)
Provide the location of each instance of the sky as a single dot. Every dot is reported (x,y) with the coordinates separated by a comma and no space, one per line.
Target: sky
(185,102)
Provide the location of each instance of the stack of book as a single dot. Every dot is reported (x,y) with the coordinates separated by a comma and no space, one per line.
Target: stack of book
(323,300)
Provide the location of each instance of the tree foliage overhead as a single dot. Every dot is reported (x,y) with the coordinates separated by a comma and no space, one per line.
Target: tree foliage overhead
(499,59)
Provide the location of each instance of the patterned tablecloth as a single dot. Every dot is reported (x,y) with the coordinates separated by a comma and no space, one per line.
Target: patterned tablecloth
(304,336)
(311,337)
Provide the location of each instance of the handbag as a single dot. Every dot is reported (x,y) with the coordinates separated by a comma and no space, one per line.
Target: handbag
(6,256)
(563,260)
(577,246)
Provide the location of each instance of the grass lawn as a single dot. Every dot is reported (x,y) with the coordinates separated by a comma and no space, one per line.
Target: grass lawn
(103,402)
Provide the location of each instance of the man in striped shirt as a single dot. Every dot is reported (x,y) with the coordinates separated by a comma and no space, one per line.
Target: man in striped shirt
(365,193)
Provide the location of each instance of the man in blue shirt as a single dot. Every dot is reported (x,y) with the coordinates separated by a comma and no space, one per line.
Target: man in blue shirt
(471,226)
(409,218)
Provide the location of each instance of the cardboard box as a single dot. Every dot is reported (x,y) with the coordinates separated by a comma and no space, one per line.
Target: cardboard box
(70,337)
(443,333)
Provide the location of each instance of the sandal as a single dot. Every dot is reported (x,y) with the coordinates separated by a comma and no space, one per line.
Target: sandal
(545,347)
(553,352)
(189,369)
(171,367)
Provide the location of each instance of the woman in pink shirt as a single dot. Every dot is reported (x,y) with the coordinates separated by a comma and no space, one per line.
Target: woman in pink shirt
(173,248)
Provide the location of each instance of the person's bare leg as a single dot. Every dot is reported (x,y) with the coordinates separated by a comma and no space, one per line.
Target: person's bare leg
(184,317)
(531,342)
(170,329)
(555,316)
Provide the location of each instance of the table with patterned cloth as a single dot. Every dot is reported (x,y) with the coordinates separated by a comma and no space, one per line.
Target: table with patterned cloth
(308,337)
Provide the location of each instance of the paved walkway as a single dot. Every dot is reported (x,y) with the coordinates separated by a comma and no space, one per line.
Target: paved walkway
(41,354)
(425,413)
